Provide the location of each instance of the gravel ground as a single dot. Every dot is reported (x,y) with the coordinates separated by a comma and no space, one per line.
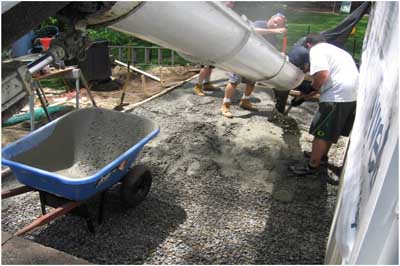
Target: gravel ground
(221,191)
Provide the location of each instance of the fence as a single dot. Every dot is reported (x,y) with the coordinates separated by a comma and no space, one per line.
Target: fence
(147,55)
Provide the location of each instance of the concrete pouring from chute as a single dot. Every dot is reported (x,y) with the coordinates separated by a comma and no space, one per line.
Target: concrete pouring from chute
(210,33)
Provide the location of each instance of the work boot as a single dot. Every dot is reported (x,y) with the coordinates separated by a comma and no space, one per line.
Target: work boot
(303,169)
(209,87)
(198,90)
(225,110)
(247,105)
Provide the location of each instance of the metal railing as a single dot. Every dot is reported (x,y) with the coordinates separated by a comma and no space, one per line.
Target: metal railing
(146,55)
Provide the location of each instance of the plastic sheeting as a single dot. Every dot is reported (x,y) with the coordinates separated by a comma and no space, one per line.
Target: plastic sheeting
(338,35)
(366,227)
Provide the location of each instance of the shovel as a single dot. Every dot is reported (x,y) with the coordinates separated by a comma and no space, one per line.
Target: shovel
(294,102)
(121,102)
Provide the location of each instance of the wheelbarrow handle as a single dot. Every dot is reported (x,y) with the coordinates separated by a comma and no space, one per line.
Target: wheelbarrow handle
(15,191)
(44,219)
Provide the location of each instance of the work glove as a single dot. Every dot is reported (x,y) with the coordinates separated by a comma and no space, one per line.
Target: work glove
(297,101)
(305,87)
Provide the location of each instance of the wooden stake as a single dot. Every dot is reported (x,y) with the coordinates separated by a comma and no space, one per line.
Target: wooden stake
(126,84)
(144,85)
(161,79)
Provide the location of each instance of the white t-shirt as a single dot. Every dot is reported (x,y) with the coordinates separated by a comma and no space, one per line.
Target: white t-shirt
(342,83)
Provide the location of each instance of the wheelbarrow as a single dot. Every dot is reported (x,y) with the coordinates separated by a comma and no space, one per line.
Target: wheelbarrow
(79,155)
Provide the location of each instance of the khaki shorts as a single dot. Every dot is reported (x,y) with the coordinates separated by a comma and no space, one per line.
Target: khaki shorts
(236,78)
(333,120)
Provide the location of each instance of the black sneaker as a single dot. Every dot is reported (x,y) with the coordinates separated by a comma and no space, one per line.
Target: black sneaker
(303,169)
(324,159)
(334,181)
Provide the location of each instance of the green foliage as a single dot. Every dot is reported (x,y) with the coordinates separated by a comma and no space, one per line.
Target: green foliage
(115,38)
(55,83)
(51,21)
(121,54)
(300,22)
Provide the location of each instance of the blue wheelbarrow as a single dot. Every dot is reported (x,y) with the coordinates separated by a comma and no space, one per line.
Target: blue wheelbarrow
(80,155)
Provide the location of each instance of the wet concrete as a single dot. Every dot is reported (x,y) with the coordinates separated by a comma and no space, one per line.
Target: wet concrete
(86,140)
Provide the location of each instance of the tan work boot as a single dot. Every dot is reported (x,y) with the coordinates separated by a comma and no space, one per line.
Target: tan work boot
(209,87)
(225,110)
(198,90)
(247,105)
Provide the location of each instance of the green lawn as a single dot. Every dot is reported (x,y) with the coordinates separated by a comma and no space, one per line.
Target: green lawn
(300,22)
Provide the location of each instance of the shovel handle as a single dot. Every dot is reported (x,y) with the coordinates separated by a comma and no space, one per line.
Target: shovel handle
(121,102)
(284,43)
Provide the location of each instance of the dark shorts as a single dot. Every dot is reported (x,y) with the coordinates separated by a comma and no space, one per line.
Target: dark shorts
(333,120)
(208,66)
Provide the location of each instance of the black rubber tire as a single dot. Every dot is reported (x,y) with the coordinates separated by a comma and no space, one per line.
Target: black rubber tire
(135,185)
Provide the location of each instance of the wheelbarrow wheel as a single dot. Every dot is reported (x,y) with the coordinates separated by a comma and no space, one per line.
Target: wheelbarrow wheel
(135,185)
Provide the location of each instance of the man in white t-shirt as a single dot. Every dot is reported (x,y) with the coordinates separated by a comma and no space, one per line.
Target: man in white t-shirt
(335,76)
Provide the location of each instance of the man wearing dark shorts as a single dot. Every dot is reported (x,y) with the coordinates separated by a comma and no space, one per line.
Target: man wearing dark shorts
(335,76)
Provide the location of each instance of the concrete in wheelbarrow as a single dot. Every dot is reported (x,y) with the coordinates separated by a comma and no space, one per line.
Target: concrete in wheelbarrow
(19,251)
(85,141)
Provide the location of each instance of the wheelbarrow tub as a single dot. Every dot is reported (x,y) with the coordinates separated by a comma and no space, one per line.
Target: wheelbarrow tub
(81,153)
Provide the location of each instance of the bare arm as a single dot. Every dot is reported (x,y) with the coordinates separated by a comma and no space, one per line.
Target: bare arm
(263,31)
(318,79)
(306,67)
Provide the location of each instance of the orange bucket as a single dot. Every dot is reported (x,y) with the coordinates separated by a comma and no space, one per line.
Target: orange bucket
(45,42)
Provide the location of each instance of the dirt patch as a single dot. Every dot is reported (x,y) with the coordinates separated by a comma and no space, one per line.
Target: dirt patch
(138,89)
(107,95)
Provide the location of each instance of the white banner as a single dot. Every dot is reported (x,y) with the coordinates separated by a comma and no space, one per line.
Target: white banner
(367,178)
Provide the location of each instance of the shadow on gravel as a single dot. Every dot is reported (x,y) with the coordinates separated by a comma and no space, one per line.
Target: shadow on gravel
(298,223)
(126,236)
(216,94)
(263,113)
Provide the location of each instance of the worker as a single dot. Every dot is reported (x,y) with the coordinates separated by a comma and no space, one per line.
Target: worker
(230,4)
(335,77)
(269,29)
(298,56)
(203,82)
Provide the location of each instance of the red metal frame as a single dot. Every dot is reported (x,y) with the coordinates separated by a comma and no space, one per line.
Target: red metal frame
(44,219)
